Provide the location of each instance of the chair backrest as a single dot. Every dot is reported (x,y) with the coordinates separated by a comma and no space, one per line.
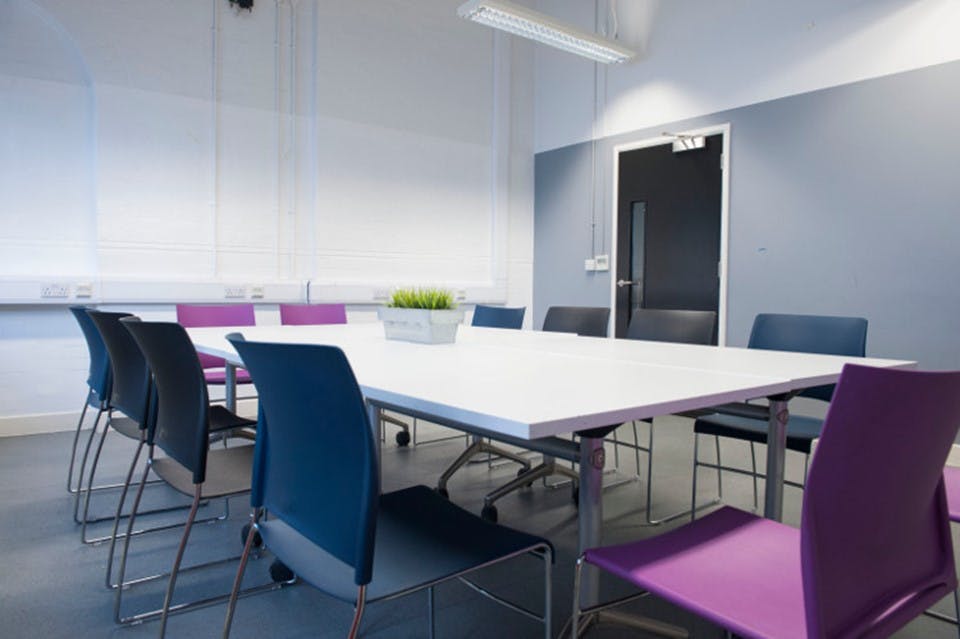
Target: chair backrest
(181,428)
(582,320)
(131,375)
(498,316)
(313,314)
(810,334)
(194,315)
(874,531)
(681,326)
(99,377)
(316,459)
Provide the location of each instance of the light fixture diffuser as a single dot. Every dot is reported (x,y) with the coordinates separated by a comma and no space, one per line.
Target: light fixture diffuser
(526,23)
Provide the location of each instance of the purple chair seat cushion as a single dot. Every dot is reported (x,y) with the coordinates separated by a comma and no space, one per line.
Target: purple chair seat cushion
(219,376)
(735,569)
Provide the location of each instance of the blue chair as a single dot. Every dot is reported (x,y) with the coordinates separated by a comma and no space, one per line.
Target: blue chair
(181,430)
(777,332)
(585,321)
(316,473)
(132,409)
(498,316)
(127,404)
(664,325)
(98,394)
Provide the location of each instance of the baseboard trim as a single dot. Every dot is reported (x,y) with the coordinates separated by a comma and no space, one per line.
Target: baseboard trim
(17,425)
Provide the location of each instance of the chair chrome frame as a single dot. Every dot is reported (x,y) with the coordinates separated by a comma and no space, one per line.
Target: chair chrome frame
(168,608)
(541,550)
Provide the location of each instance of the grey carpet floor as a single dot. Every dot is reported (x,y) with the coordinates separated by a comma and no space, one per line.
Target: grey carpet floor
(52,586)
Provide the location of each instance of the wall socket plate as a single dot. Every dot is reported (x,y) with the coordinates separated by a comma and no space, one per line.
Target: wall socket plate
(83,289)
(381,293)
(601,262)
(55,290)
(256,292)
(235,292)
(590,264)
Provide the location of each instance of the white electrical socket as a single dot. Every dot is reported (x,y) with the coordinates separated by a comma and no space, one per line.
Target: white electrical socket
(601,262)
(235,292)
(83,289)
(55,290)
(381,293)
(461,295)
(256,292)
(589,264)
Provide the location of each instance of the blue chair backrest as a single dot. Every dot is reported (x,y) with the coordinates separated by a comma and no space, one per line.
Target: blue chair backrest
(316,459)
(131,375)
(181,428)
(582,320)
(669,325)
(810,334)
(99,378)
(498,316)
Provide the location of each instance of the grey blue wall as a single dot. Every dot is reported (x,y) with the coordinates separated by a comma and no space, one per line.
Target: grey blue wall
(844,201)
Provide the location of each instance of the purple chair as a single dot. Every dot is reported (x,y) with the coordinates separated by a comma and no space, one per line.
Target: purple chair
(297,314)
(195,315)
(873,550)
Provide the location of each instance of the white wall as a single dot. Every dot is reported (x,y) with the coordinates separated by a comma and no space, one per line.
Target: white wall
(699,57)
(164,150)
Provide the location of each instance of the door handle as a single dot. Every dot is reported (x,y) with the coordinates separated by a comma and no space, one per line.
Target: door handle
(622,283)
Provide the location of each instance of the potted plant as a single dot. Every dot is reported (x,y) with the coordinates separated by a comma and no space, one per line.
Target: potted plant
(426,315)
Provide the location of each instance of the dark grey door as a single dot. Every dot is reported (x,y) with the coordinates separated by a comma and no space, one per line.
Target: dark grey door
(668,229)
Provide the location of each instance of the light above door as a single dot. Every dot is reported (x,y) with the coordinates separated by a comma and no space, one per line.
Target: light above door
(526,23)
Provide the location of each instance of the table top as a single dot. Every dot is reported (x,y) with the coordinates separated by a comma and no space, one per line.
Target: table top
(531,384)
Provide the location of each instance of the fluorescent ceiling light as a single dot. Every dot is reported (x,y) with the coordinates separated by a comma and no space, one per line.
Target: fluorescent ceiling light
(523,22)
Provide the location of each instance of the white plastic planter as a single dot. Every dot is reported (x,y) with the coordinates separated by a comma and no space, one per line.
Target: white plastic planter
(420,325)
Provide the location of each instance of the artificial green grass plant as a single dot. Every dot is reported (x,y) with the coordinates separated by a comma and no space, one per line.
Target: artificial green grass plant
(436,299)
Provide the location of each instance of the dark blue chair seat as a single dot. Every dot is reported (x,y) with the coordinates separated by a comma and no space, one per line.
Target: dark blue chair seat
(801,430)
(408,553)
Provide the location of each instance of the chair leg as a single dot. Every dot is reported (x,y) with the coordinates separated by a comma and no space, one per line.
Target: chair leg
(956,609)
(693,499)
(636,446)
(93,469)
(126,545)
(118,515)
(616,448)
(431,613)
(86,500)
(753,462)
(547,594)
(168,598)
(575,619)
(358,613)
(76,440)
(232,605)
(719,471)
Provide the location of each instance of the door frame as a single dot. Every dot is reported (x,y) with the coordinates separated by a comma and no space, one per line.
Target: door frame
(721,129)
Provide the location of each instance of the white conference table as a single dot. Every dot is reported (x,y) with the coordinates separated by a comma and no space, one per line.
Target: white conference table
(529,385)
